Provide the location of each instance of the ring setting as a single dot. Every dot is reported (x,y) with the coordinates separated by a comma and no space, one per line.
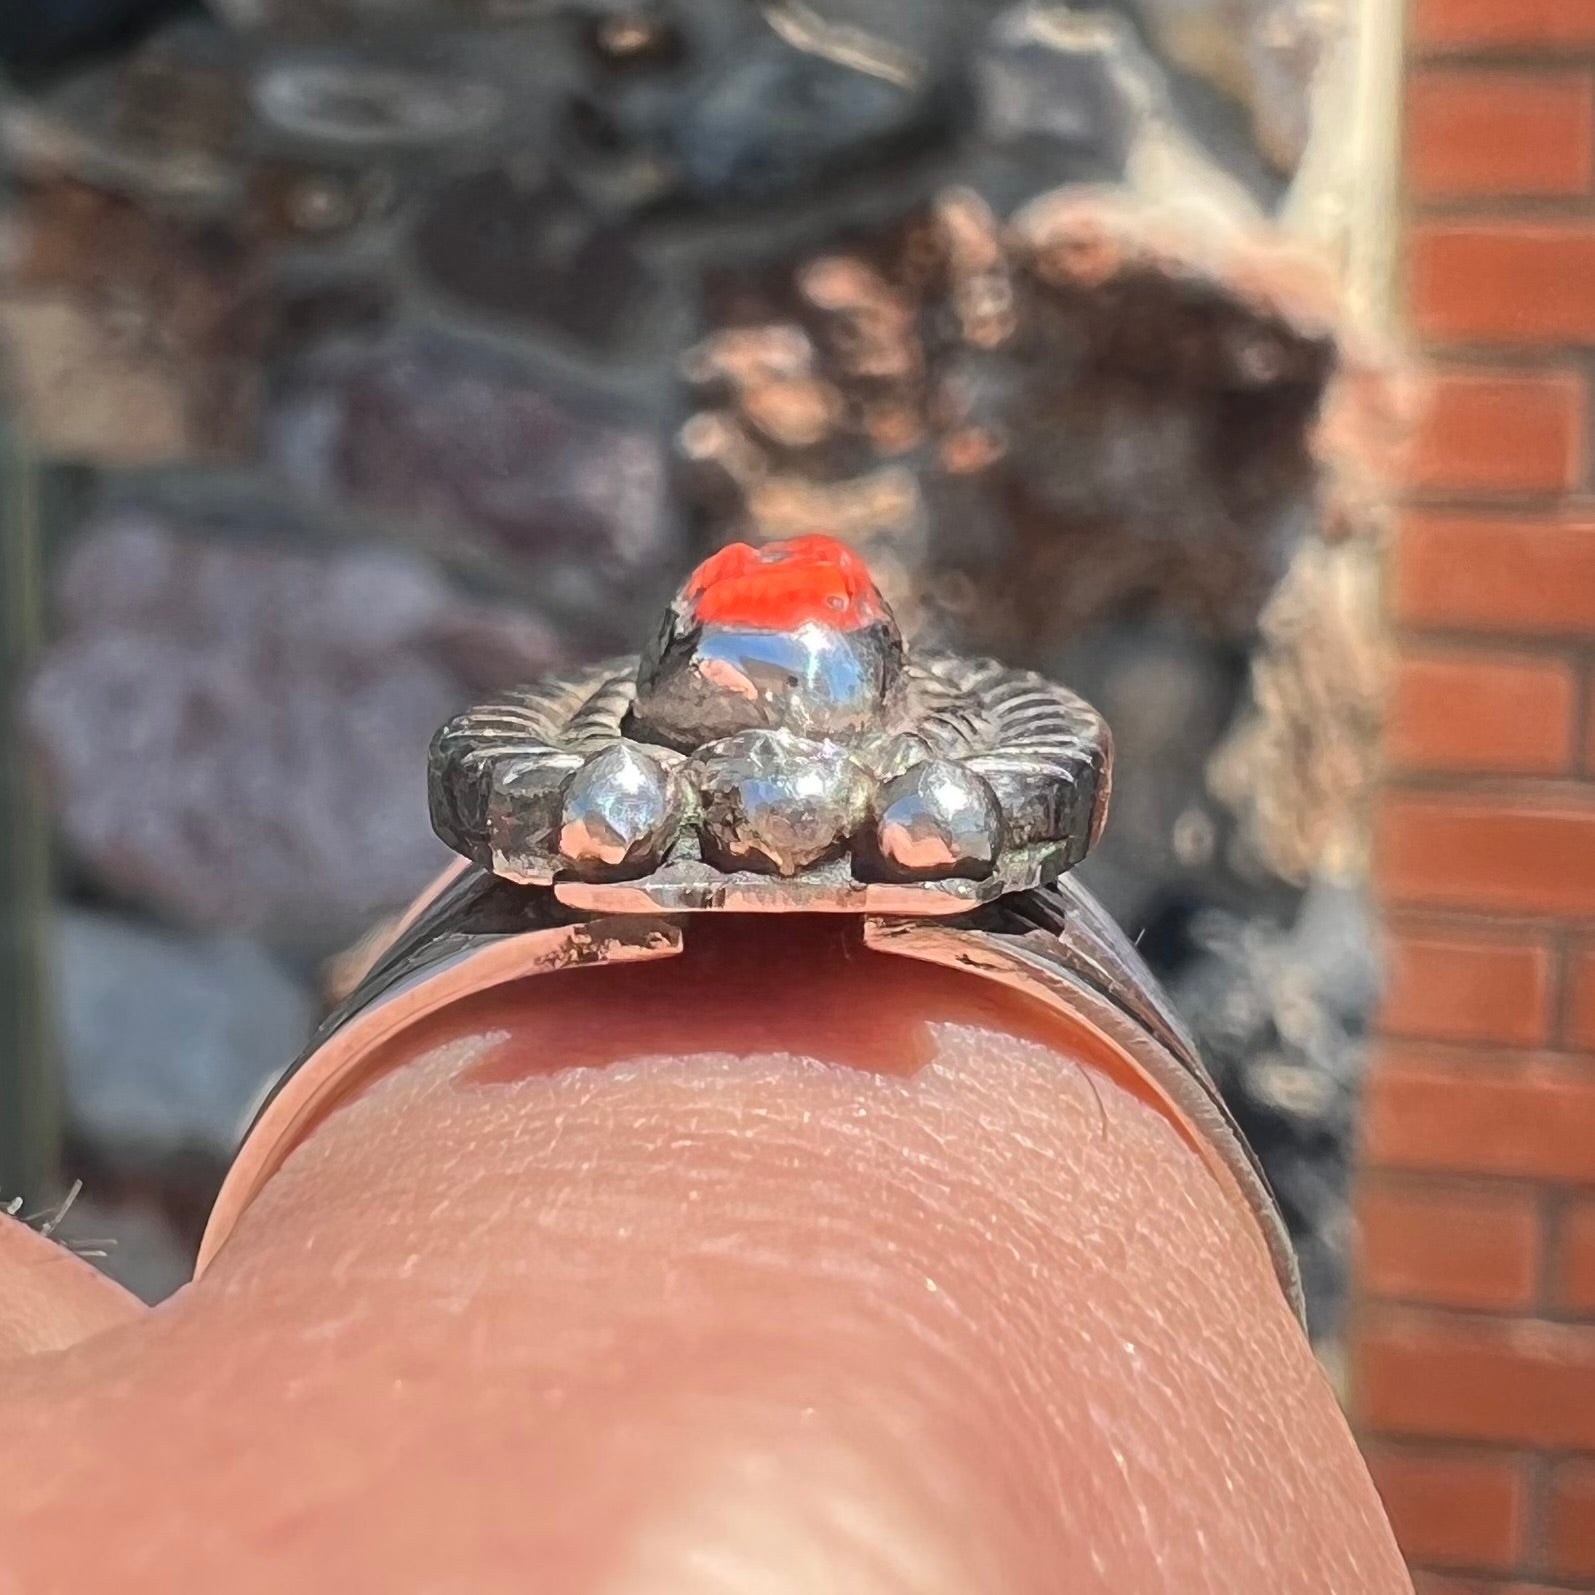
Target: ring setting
(776,747)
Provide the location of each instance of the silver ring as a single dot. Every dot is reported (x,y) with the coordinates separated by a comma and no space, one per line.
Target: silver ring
(776,749)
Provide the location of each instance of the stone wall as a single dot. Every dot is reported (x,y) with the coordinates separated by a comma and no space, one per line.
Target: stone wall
(413,348)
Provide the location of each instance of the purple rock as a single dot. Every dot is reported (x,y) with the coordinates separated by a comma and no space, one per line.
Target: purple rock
(475,453)
(235,734)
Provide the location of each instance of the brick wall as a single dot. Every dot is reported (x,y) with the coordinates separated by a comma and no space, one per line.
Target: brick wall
(1473,1348)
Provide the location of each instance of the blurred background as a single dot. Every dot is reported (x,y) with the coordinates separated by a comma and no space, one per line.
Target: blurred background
(1227,359)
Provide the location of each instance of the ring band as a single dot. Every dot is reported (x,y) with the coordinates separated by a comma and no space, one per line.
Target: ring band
(775,751)
(1054,945)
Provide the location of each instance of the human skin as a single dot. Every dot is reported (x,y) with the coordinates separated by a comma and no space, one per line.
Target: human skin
(784,1267)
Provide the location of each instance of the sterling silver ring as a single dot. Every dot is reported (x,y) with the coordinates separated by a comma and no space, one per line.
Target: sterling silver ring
(775,749)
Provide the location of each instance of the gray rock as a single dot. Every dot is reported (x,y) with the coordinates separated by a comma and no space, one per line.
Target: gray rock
(1053,98)
(774,119)
(1281,1012)
(1243,72)
(321,17)
(372,106)
(529,253)
(1169,695)
(53,32)
(758,110)
(167,1040)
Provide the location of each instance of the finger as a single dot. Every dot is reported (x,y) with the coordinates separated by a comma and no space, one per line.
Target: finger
(49,1298)
(782,1267)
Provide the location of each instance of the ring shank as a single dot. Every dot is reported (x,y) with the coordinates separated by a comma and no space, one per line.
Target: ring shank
(472,933)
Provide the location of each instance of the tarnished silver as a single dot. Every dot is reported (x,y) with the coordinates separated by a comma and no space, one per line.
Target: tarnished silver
(818,768)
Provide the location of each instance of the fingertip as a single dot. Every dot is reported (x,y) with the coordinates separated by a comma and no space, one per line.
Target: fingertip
(949,1260)
(811,1510)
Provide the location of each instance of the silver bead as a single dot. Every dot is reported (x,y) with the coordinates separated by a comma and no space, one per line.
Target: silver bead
(619,813)
(934,821)
(890,753)
(777,803)
(814,680)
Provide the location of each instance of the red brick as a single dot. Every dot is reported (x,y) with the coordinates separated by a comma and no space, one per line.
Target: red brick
(1495,573)
(1470,24)
(1476,710)
(1453,985)
(1451,1510)
(1499,432)
(1464,852)
(1570,1521)
(1431,1375)
(1481,131)
(1447,1247)
(1575,1284)
(1502,282)
(1581,1006)
(1533,1119)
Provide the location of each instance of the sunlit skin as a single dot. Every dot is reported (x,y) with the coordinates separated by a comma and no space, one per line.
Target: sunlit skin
(783,1267)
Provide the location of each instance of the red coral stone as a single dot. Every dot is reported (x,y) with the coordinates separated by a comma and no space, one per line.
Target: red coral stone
(782,585)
